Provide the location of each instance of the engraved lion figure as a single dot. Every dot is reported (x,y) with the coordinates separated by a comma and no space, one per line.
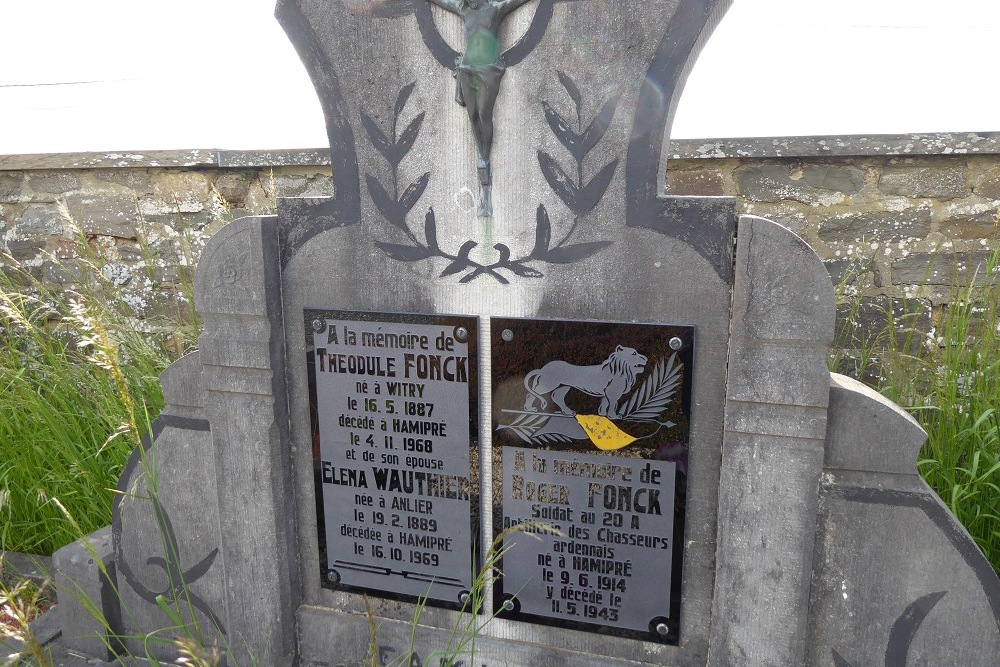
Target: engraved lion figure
(610,380)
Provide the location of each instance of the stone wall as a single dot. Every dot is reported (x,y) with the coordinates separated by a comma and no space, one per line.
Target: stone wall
(905,220)
(902,222)
(140,219)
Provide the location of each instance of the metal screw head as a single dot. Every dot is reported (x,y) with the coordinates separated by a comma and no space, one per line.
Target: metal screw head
(676,343)
(507,335)
(319,325)
(662,629)
(463,597)
(508,605)
(333,576)
(461,334)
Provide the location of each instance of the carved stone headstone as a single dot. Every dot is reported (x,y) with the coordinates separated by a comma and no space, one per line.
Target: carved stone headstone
(499,328)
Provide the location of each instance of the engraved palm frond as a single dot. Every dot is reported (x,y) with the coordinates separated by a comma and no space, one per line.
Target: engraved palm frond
(579,196)
(560,254)
(539,429)
(649,400)
(526,424)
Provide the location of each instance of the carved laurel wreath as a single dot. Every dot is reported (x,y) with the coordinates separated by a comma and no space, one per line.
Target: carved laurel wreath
(578,196)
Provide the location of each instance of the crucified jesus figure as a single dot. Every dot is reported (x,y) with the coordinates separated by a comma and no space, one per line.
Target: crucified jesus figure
(477,77)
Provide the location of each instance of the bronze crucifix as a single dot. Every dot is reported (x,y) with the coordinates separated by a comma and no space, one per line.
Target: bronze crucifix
(477,77)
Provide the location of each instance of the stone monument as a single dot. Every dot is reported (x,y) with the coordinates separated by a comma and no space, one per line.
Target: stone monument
(500,348)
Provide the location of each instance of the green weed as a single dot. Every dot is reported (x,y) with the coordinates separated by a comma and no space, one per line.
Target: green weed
(21,601)
(75,368)
(949,380)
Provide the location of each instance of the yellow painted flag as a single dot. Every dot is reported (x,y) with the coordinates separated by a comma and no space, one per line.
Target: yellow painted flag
(603,433)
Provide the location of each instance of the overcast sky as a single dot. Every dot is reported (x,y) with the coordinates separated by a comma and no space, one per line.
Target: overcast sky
(83,75)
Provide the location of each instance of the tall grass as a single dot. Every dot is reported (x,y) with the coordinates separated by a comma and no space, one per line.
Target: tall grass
(21,602)
(77,373)
(949,380)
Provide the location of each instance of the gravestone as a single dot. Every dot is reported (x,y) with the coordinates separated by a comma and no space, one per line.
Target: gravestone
(501,383)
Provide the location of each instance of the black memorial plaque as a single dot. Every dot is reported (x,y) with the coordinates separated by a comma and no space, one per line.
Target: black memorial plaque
(394,408)
(590,438)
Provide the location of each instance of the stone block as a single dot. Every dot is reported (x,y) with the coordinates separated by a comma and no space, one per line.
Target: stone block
(183,191)
(287,185)
(983,316)
(66,248)
(166,535)
(86,584)
(168,272)
(182,385)
(971,218)
(846,179)
(155,212)
(957,269)
(971,228)
(27,566)
(136,180)
(853,272)
(869,323)
(140,301)
(167,257)
(861,367)
(988,185)
(40,220)
(700,183)
(25,250)
(789,214)
(944,182)
(773,448)
(318,186)
(761,564)
(817,185)
(877,226)
(54,183)
(787,300)
(66,272)
(130,252)
(116,273)
(259,200)
(113,215)
(868,432)
(770,372)
(46,627)
(238,293)
(167,300)
(764,183)
(10,186)
(233,185)
(897,575)
(842,271)
(8,214)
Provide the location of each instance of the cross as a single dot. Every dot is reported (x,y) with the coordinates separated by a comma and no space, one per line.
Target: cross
(479,70)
